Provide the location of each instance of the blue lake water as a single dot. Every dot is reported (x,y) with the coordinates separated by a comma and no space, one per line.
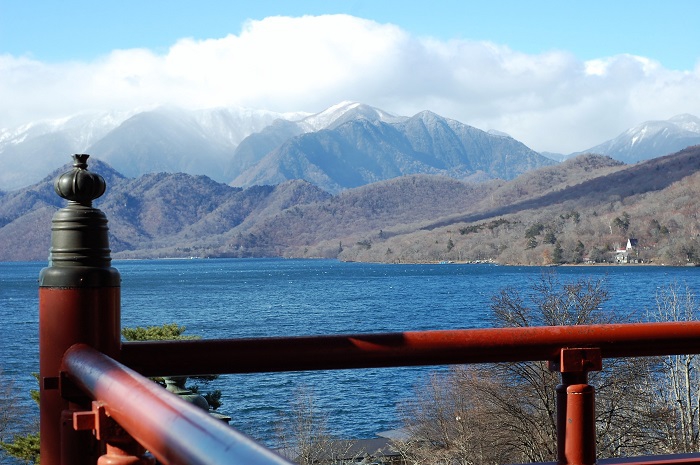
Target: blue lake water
(260,297)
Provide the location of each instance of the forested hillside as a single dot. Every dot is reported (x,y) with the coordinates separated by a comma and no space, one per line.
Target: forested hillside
(586,217)
(577,211)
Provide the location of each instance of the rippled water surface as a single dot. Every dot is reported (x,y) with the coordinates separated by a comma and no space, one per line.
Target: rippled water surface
(260,297)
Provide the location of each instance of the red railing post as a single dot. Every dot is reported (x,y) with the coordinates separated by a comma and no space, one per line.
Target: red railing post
(79,302)
(576,437)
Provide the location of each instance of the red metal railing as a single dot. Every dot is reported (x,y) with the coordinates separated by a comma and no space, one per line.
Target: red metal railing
(159,421)
(173,430)
(407,349)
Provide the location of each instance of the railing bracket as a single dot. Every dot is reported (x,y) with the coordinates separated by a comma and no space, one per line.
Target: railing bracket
(99,421)
(578,360)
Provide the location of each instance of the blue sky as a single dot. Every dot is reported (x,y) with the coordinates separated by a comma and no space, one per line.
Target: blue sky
(560,76)
(84,30)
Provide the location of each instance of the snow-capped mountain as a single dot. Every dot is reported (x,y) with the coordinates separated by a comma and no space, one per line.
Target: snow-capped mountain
(27,152)
(136,142)
(344,112)
(361,151)
(175,140)
(243,146)
(80,129)
(256,146)
(652,139)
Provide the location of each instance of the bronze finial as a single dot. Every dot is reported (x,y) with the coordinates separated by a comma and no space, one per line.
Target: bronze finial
(79,254)
(80,185)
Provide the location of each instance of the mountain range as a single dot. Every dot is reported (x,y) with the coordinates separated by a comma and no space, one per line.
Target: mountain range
(345,146)
(584,207)
(651,139)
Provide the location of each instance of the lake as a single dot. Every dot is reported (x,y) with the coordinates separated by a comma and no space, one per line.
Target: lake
(228,298)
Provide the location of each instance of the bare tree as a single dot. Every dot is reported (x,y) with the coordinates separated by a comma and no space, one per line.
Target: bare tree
(447,423)
(678,383)
(303,434)
(511,407)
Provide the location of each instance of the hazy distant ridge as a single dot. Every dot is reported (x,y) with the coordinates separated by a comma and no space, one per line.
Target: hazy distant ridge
(347,145)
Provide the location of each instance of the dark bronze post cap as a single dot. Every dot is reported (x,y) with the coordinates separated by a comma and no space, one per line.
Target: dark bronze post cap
(80,185)
(79,254)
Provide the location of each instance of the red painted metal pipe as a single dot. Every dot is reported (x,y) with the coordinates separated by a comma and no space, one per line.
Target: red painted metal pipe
(406,349)
(174,431)
(579,442)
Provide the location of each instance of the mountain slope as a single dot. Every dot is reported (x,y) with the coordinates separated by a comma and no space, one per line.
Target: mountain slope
(589,204)
(45,144)
(652,139)
(227,144)
(163,138)
(655,202)
(256,146)
(363,151)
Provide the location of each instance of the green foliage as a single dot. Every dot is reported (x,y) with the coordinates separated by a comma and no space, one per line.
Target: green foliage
(496,223)
(691,250)
(534,230)
(578,252)
(472,228)
(574,215)
(557,253)
(549,237)
(598,255)
(34,393)
(165,332)
(365,244)
(654,227)
(623,222)
(25,448)
(491,225)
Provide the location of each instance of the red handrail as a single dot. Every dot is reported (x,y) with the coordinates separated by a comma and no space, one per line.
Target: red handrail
(220,356)
(177,432)
(174,431)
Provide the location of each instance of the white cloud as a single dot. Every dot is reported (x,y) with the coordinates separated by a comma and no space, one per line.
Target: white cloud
(551,101)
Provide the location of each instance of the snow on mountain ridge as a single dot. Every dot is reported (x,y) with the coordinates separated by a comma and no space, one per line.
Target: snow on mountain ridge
(215,133)
(50,142)
(81,129)
(687,121)
(226,125)
(669,128)
(651,139)
(345,110)
(233,124)
(321,120)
